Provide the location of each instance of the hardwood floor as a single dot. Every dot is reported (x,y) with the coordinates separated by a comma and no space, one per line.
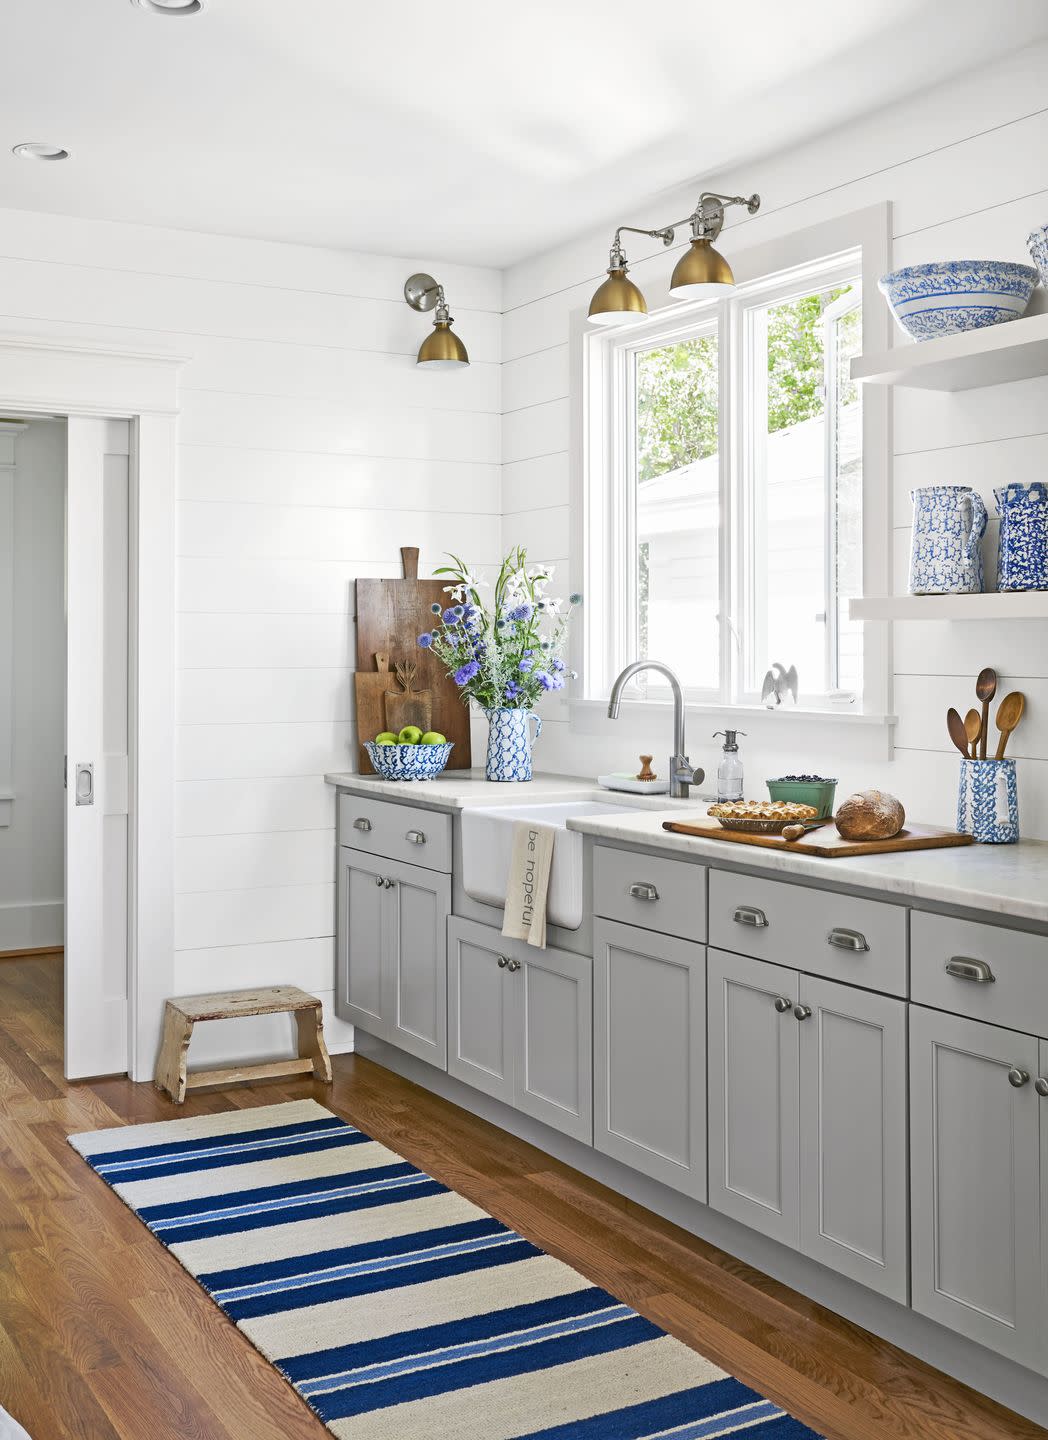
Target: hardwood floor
(103,1335)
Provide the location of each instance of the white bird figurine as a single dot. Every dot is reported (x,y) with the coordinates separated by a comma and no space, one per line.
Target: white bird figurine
(778,683)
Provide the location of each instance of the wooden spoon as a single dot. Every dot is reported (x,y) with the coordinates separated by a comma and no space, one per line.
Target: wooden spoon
(958,734)
(1009,713)
(973,729)
(985,690)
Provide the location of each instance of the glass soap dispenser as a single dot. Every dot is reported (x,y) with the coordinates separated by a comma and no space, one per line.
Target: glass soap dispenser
(729,771)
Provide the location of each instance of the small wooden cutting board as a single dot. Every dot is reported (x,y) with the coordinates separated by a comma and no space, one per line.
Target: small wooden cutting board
(826,841)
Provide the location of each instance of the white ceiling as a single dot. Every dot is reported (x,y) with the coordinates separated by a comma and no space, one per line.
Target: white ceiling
(470,130)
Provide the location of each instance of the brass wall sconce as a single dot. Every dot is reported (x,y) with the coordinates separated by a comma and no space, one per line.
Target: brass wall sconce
(700,271)
(441,350)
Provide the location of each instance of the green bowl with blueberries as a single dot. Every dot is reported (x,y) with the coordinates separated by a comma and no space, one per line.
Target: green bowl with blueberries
(805,790)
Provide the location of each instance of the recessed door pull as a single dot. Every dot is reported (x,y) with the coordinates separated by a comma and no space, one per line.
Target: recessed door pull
(750,915)
(85,783)
(642,890)
(844,939)
(962,968)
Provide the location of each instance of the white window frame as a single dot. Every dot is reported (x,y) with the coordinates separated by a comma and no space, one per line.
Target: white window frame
(600,516)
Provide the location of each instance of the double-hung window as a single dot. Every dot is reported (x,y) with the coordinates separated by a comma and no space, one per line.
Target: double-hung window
(724,513)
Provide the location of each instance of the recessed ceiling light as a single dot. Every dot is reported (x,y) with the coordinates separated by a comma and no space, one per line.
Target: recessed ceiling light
(38,150)
(170,7)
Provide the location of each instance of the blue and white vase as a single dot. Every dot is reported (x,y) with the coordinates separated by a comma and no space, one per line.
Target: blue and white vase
(1022,554)
(988,801)
(509,743)
(949,522)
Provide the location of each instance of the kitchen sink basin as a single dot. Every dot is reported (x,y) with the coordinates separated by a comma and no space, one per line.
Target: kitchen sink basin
(487,842)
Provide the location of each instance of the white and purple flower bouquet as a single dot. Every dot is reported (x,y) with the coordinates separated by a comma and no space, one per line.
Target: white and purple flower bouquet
(508,656)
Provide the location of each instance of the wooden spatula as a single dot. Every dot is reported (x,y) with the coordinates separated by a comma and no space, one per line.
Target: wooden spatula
(958,734)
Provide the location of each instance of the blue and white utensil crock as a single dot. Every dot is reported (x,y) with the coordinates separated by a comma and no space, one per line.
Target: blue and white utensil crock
(949,522)
(509,743)
(988,801)
(1022,554)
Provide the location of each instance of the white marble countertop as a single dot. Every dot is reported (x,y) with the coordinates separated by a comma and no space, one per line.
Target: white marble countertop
(1009,881)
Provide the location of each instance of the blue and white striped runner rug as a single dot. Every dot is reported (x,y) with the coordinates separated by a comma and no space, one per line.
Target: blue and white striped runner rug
(396,1308)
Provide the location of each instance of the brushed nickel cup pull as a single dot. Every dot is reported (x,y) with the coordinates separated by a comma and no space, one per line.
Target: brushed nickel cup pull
(1041,1086)
(1017,1077)
(513,965)
(802,1011)
(362,824)
(417,837)
(962,968)
(750,915)
(844,939)
(783,1003)
(503,962)
(642,890)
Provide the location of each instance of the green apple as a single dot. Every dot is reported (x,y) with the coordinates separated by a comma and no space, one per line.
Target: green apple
(433,737)
(410,735)
(386,738)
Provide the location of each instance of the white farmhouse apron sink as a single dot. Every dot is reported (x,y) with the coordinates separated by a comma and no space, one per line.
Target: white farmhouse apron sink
(487,843)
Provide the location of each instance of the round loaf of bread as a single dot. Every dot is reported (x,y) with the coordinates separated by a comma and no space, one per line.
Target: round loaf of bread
(870,815)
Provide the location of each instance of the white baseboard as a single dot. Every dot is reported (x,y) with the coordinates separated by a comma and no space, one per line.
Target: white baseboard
(31,926)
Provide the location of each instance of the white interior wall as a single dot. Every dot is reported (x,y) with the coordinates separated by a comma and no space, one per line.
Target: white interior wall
(32,844)
(961,167)
(310,450)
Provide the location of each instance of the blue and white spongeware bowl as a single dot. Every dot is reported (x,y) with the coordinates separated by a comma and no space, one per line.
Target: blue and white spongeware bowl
(951,296)
(408,762)
(1037,244)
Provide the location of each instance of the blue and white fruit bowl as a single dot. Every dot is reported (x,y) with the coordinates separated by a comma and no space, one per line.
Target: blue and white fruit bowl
(408,762)
(950,296)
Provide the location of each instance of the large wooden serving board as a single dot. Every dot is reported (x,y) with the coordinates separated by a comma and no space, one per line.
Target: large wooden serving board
(826,840)
(391,615)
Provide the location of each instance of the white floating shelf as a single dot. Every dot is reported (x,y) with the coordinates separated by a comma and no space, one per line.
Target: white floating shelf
(1015,350)
(994,605)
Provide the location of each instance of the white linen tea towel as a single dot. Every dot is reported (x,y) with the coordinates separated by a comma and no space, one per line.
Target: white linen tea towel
(528,883)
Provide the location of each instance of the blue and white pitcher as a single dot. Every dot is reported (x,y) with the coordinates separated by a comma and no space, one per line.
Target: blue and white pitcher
(1022,555)
(949,522)
(509,743)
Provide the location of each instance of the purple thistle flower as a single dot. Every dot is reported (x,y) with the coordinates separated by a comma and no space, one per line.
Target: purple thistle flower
(466,673)
(520,612)
(449,617)
(425,641)
(435,608)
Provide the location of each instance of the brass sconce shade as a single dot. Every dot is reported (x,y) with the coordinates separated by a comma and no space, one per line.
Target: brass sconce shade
(617,301)
(699,270)
(442,350)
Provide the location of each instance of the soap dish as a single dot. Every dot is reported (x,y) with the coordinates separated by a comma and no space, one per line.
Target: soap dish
(630,783)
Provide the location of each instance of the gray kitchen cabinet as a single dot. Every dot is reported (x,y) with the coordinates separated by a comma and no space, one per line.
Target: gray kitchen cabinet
(520,1025)
(392,952)
(1041,1090)
(649,1054)
(853,1171)
(754,1041)
(975,1124)
(361,903)
(480,1022)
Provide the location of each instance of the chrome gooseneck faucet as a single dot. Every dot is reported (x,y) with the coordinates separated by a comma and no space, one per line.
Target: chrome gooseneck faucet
(681,773)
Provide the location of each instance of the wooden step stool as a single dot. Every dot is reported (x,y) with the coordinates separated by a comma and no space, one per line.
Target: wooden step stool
(181,1014)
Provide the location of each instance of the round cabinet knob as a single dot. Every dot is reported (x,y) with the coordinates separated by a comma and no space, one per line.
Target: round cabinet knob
(1017,1077)
(783,1003)
(389,882)
(503,962)
(802,1012)
(513,965)
(379,881)
(1041,1085)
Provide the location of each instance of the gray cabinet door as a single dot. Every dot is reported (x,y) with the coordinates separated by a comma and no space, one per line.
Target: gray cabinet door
(753,1085)
(975,1181)
(481,1034)
(553,1013)
(416,929)
(649,1054)
(360,993)
(854,1196)
(1042,1075)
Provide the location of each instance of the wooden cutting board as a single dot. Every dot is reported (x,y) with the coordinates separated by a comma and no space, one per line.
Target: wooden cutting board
(826,841)
(370,686)
(391,615)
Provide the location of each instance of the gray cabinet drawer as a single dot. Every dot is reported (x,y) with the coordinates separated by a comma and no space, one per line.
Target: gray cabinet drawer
(650,891)
(1016,997)
(399,832)
(812,930)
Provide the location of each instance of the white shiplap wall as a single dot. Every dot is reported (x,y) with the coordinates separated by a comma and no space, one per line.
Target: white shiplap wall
(963,168)
(310,450)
